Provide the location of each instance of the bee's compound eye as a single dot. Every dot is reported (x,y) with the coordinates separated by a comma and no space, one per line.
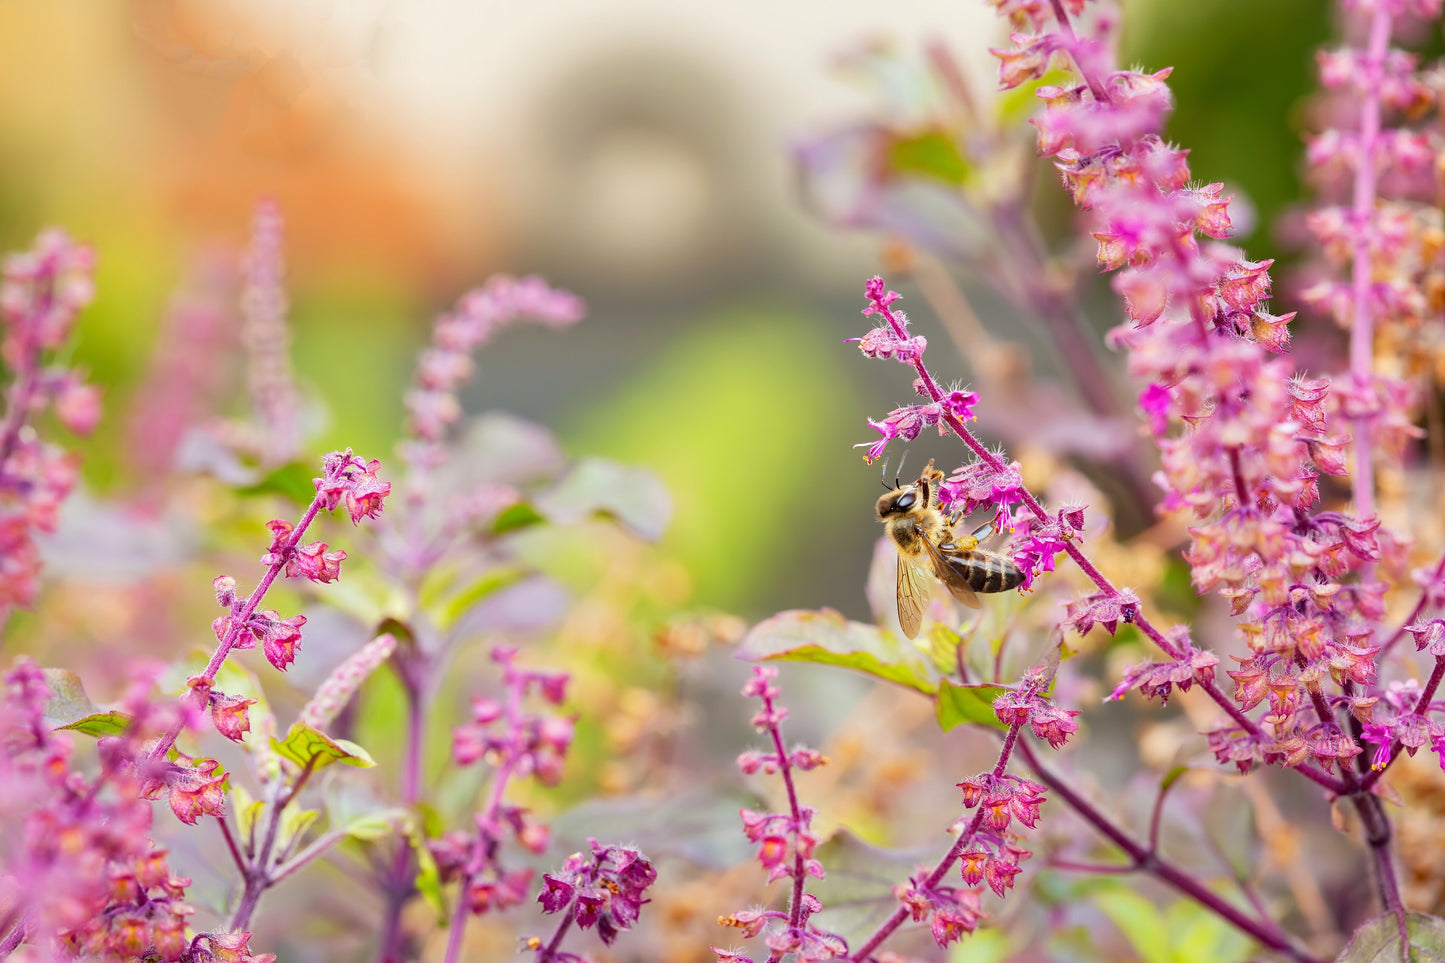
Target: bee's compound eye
(905,501)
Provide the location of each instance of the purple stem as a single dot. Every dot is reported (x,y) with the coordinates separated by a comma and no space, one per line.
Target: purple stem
(258,876)
(318,846)
(488,821)
(1362,331)
(1377,836)
(795,902)
(894,921)
(549,952)
(1266,932)
(236,856)
(241,619)
(398,880)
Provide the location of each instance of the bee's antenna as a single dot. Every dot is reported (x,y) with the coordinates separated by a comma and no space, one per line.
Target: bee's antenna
(901,462)
(883,475)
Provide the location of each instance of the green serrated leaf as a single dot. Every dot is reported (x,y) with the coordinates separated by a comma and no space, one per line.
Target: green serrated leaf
(520,515)
(68,702)
(111,723)
(306,746)
(932,154)
(956,704)
(1378,941)
(448,610)
(292,481)
(828,638)
(428,878)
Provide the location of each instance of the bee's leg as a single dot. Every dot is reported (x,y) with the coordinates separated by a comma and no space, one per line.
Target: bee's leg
(983,531)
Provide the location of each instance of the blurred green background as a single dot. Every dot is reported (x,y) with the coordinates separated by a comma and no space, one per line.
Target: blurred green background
(635,151)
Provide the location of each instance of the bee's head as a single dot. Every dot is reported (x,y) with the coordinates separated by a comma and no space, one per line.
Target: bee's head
(901,501)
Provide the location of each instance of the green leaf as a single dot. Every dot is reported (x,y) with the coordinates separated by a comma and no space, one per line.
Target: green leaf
(956,704)
(448,610)
(633,497)
(291,481)
(827,637)
(247,811)
(520,515)
(306,746)
(1378,941)
(1139,920)
(428,878)
(68,702)
(984,946)
(294,822)
(1198,936)
(111,723)
(377,824)
(942,642)
(931,154)
(1171,777)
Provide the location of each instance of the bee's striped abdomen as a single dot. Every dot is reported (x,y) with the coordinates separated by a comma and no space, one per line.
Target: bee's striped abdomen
(988,573)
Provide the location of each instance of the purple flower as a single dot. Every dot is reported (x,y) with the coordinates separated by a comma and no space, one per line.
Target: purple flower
(1381,736)
(556,893)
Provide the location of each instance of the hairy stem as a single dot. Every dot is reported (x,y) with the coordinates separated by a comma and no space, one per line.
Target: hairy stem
(1377,836)
(549,952)
(239,620)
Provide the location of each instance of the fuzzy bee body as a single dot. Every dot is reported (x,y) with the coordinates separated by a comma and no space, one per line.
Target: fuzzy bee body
(911,515)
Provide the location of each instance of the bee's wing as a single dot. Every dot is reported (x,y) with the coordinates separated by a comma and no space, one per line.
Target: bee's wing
(912,596)
(950,576)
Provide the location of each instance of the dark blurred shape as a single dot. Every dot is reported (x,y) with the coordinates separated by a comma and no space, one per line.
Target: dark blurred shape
(644,156)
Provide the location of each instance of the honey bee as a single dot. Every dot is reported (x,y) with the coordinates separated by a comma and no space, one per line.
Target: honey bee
(920,531)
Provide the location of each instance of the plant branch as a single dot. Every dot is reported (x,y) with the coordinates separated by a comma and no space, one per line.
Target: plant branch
(1264,931)
(315,848)
(240,620)
(894,921)
(236,856)
(1362,331)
